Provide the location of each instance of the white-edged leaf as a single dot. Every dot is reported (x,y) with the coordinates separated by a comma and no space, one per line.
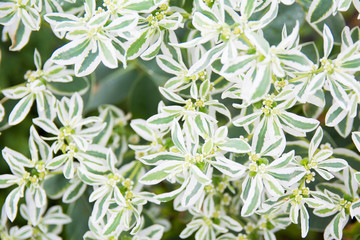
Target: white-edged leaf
(315,142)
(171,96)
(236,145)
(168,64)
(71,52)
(251,195)
(11,203)
(15,158)
(21,110)
(356,139)
(199,175)
(6,180)
(192,193)
(333,164)
(319,10)
(208,58)
(304,221)
(335,115)
(298,123)
(228,167)
(339,94)
(328,37)
(160,172)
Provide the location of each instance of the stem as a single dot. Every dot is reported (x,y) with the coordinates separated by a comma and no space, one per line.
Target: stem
(138,166)
(6,126)
(302,75)
(4,99)
(218,80)
(249,137)
(243,37)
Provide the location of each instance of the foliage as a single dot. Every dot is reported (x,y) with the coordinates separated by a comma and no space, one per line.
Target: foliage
(160,119)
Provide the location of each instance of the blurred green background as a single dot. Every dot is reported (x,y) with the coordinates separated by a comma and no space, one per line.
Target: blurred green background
(135,90)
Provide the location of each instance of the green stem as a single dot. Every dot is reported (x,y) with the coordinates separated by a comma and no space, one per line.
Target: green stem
(218,80)
(6,126)
(305,75)
(243,37)
(4,100)
(136,170)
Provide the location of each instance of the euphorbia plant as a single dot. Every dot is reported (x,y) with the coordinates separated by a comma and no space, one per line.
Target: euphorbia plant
(166,119)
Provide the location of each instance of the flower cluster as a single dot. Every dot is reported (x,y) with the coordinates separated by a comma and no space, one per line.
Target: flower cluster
(240,142)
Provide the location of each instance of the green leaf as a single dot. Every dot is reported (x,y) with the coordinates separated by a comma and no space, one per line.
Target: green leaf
(239,65)
(71,52)
(328,41)
(153,49)
(168,196)
(207,147)
(203,125)
(107,53)
(57,161)
(351,157)
(247,7)
(11,203)
(113,88)
(160,172)
(287,15)
(310,50)
(333,164)
(208,58)
(55,186)
(98,20)
(21,110)
(139,45)
(74,191)
(297,122)
(304,220)
(162,119)
(80,85)
(260,83)
(252,190)
(247,119)
(334,115)
(296,61)
(192,193)
(319,10)
(171,96)
(177,137)
(20,37)
(228,167)
(168,64)
(339,94)
(140,5)
(88,64)
(356,139)
(315,142)
(141,103)
(236,145)
(79,212)
(335,23)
